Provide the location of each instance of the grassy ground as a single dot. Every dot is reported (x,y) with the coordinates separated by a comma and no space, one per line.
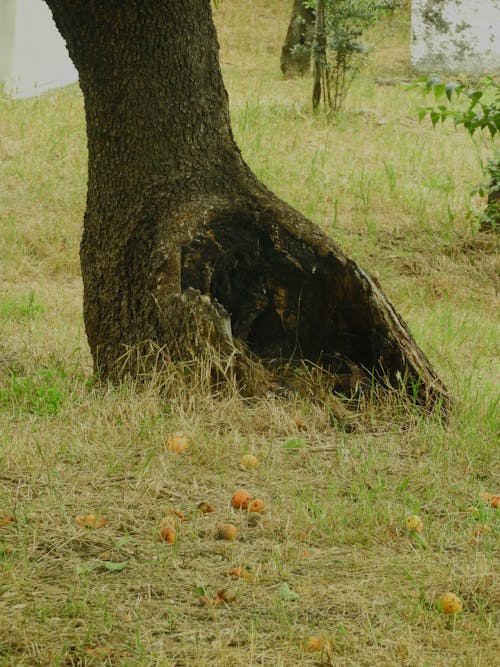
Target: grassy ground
(395,194)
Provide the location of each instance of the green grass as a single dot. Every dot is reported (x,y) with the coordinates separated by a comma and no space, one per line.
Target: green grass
(395,194)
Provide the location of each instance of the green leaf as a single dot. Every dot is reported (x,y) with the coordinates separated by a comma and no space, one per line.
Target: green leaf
(422,113)
(294,443)
(439,90)
(451,87)
(201,589)
(435,117)
(115,567)
(286,593)
(476,95)
(431,82)
(84,569)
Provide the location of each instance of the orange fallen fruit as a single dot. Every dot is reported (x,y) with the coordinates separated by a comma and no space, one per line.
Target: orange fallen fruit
(239,573)
(177,443)
(205,508)
(495,502)
(167,533)
(299,423)
(89,521)
(226,531)
(241,499)
(256,505)
(449,603)
(313,644)
(6,520)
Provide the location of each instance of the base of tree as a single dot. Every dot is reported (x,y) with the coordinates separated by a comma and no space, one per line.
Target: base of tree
(263,290)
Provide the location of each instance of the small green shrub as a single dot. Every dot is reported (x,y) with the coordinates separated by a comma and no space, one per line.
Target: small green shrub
(481,111)
(338,50)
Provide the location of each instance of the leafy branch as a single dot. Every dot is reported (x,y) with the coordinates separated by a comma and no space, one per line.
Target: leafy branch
(482,110)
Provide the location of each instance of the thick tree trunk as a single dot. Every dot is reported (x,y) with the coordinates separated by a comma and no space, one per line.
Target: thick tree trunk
(296,50)
(183,247)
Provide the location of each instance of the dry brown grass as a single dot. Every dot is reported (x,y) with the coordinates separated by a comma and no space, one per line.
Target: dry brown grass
(337,493)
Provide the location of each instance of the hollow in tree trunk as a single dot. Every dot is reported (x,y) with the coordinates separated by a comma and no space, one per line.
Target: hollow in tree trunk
(296,50)
(182,245)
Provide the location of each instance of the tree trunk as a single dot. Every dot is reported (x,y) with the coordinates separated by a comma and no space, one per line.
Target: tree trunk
(296,51)
(491,220)
(319,55)
(183,248)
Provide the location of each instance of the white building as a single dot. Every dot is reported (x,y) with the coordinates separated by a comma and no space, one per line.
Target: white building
(33,56)
(456,36)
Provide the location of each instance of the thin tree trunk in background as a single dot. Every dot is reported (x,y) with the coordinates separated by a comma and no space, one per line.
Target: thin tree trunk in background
(319,54)
(492,213)
(183,248)
(296,50)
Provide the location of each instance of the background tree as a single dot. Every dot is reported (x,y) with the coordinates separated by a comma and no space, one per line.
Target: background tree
(296,50)
(183,247)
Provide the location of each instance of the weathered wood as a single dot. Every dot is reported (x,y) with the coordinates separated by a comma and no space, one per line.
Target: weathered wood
(183,248)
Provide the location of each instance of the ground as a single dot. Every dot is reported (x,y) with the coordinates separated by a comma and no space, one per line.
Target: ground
(337,489)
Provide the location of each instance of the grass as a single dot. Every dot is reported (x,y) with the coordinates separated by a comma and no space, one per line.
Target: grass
(395,194)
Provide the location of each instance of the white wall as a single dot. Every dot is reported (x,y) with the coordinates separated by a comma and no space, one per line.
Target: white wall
(33,56)
(456,36)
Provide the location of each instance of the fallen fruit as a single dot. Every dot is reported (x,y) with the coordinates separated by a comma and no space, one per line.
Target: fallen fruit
(236,572)
(177,442)
(299,423)
(449,603)
(205,508)
(226,595)
(241,499)
(227,531)
(90,521)
(302,426)
(6,519)
(249,461)
(239,573)
(414,524)
(177,513)
(314,644)
(257,505)
(495,502)
(482,529)
(167,533)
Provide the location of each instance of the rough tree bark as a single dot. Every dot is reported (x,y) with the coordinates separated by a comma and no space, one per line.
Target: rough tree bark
(491,222)
(319,55)
(182,245)
(297,62)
